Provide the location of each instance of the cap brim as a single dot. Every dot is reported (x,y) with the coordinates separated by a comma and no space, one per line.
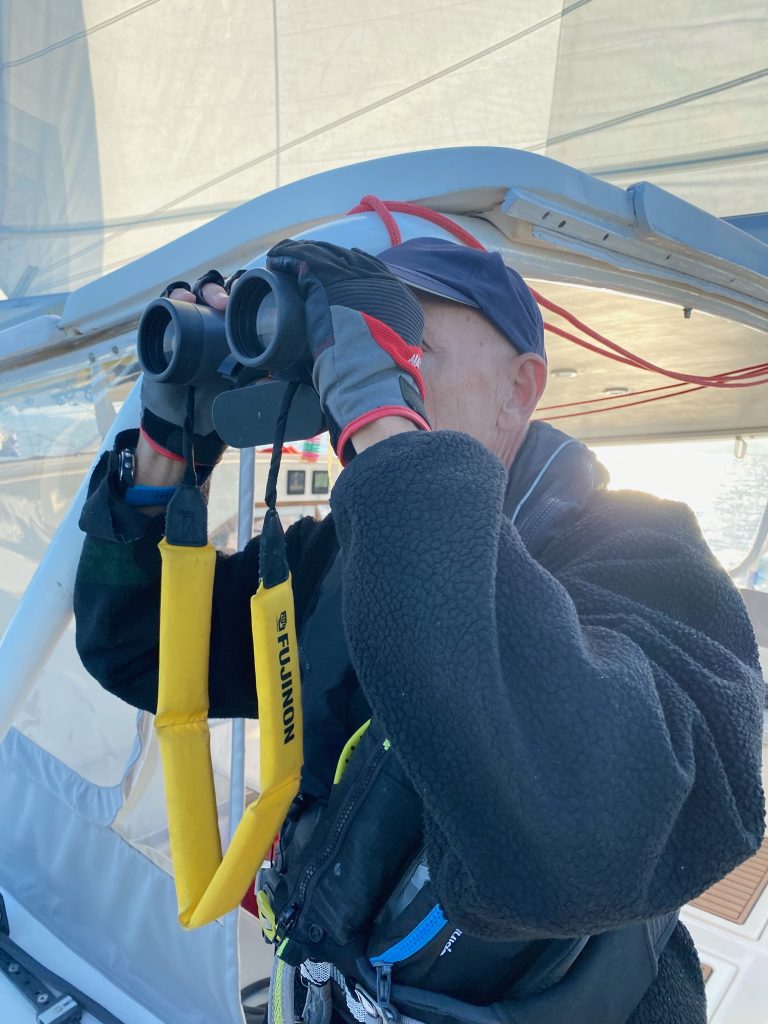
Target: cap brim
(424,283)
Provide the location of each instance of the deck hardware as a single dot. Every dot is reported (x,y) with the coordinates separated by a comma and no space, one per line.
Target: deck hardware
(64,1011)
(54,1000)
(687,312)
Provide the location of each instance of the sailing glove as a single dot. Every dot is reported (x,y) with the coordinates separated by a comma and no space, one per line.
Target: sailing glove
(163,406)
(365,335)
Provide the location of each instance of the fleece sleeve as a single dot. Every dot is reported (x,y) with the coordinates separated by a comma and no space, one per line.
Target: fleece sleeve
(585,733)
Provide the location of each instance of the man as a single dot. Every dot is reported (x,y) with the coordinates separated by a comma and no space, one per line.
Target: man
(567,681)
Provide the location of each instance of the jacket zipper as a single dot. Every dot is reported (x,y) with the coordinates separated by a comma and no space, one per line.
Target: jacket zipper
(527,529)
(289,915)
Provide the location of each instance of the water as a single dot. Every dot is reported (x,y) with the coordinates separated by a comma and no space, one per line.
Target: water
(727,493)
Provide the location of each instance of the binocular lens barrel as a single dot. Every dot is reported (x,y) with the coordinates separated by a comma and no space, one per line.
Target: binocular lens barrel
(265,324)
(180,342)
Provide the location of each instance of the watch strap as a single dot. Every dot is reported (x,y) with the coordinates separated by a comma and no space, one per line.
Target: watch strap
(139,495)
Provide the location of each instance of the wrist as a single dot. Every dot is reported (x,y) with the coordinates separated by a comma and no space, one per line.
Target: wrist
(166,437)
(155,469)
(379,430)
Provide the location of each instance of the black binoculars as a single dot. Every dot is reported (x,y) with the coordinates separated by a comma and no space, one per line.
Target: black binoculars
(261,342)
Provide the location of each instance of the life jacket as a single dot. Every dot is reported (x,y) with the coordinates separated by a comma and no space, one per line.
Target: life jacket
(348,897)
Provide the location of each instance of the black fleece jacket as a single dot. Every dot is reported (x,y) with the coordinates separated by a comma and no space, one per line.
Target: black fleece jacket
(584,727)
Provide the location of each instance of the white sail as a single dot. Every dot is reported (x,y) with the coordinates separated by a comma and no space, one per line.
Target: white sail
(126,124)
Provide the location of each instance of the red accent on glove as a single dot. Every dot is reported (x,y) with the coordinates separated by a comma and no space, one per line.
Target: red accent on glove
(407,357)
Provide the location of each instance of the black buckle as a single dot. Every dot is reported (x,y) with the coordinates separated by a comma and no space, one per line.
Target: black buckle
(380,1008)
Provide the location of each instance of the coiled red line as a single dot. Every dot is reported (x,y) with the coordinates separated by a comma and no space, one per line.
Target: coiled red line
(744,377)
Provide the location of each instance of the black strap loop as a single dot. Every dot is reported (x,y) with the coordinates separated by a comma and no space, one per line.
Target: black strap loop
(273,561)
(270,495)
(186,518)
(190,479)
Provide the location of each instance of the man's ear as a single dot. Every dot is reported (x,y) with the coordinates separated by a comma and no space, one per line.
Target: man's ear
(527,380)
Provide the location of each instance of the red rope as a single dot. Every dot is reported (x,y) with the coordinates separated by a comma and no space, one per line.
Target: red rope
(725,379)
(375,205)
(746,377)
(608,398)
(623,405)
(415,210)
(719,380)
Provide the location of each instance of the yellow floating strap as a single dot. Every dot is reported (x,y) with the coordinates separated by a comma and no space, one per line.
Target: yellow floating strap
(208,886)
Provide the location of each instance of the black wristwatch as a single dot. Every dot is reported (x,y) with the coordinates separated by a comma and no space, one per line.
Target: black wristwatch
(126,470)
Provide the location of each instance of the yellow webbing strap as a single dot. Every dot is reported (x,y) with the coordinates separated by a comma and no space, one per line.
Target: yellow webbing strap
(208,886)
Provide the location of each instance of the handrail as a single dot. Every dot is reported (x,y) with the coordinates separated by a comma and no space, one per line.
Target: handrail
(755,553)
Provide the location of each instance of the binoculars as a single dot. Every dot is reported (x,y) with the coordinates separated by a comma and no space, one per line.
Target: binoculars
(256,348)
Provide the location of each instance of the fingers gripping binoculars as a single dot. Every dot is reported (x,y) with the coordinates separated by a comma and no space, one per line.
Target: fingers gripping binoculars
(253,352)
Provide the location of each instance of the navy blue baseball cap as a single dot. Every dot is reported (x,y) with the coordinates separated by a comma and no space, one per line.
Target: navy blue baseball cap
(474,278)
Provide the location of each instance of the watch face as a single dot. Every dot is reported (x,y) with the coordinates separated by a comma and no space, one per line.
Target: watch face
(125,469)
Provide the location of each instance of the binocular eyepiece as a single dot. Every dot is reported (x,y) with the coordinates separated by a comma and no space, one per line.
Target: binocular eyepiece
(262,334)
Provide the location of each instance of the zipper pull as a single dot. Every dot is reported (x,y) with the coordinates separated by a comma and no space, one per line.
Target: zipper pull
(287,919)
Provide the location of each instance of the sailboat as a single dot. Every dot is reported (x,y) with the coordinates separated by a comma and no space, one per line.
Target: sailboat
(673,270)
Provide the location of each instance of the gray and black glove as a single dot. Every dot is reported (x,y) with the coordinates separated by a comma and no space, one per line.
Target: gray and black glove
(163,406)
(365,336)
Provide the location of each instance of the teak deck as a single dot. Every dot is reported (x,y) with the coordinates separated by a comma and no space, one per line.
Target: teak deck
(734,897)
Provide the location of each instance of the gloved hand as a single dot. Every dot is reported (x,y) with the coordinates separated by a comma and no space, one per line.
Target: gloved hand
(365,335)
(163,406)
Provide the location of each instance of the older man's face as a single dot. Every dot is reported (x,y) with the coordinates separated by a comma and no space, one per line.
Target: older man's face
(474,380)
